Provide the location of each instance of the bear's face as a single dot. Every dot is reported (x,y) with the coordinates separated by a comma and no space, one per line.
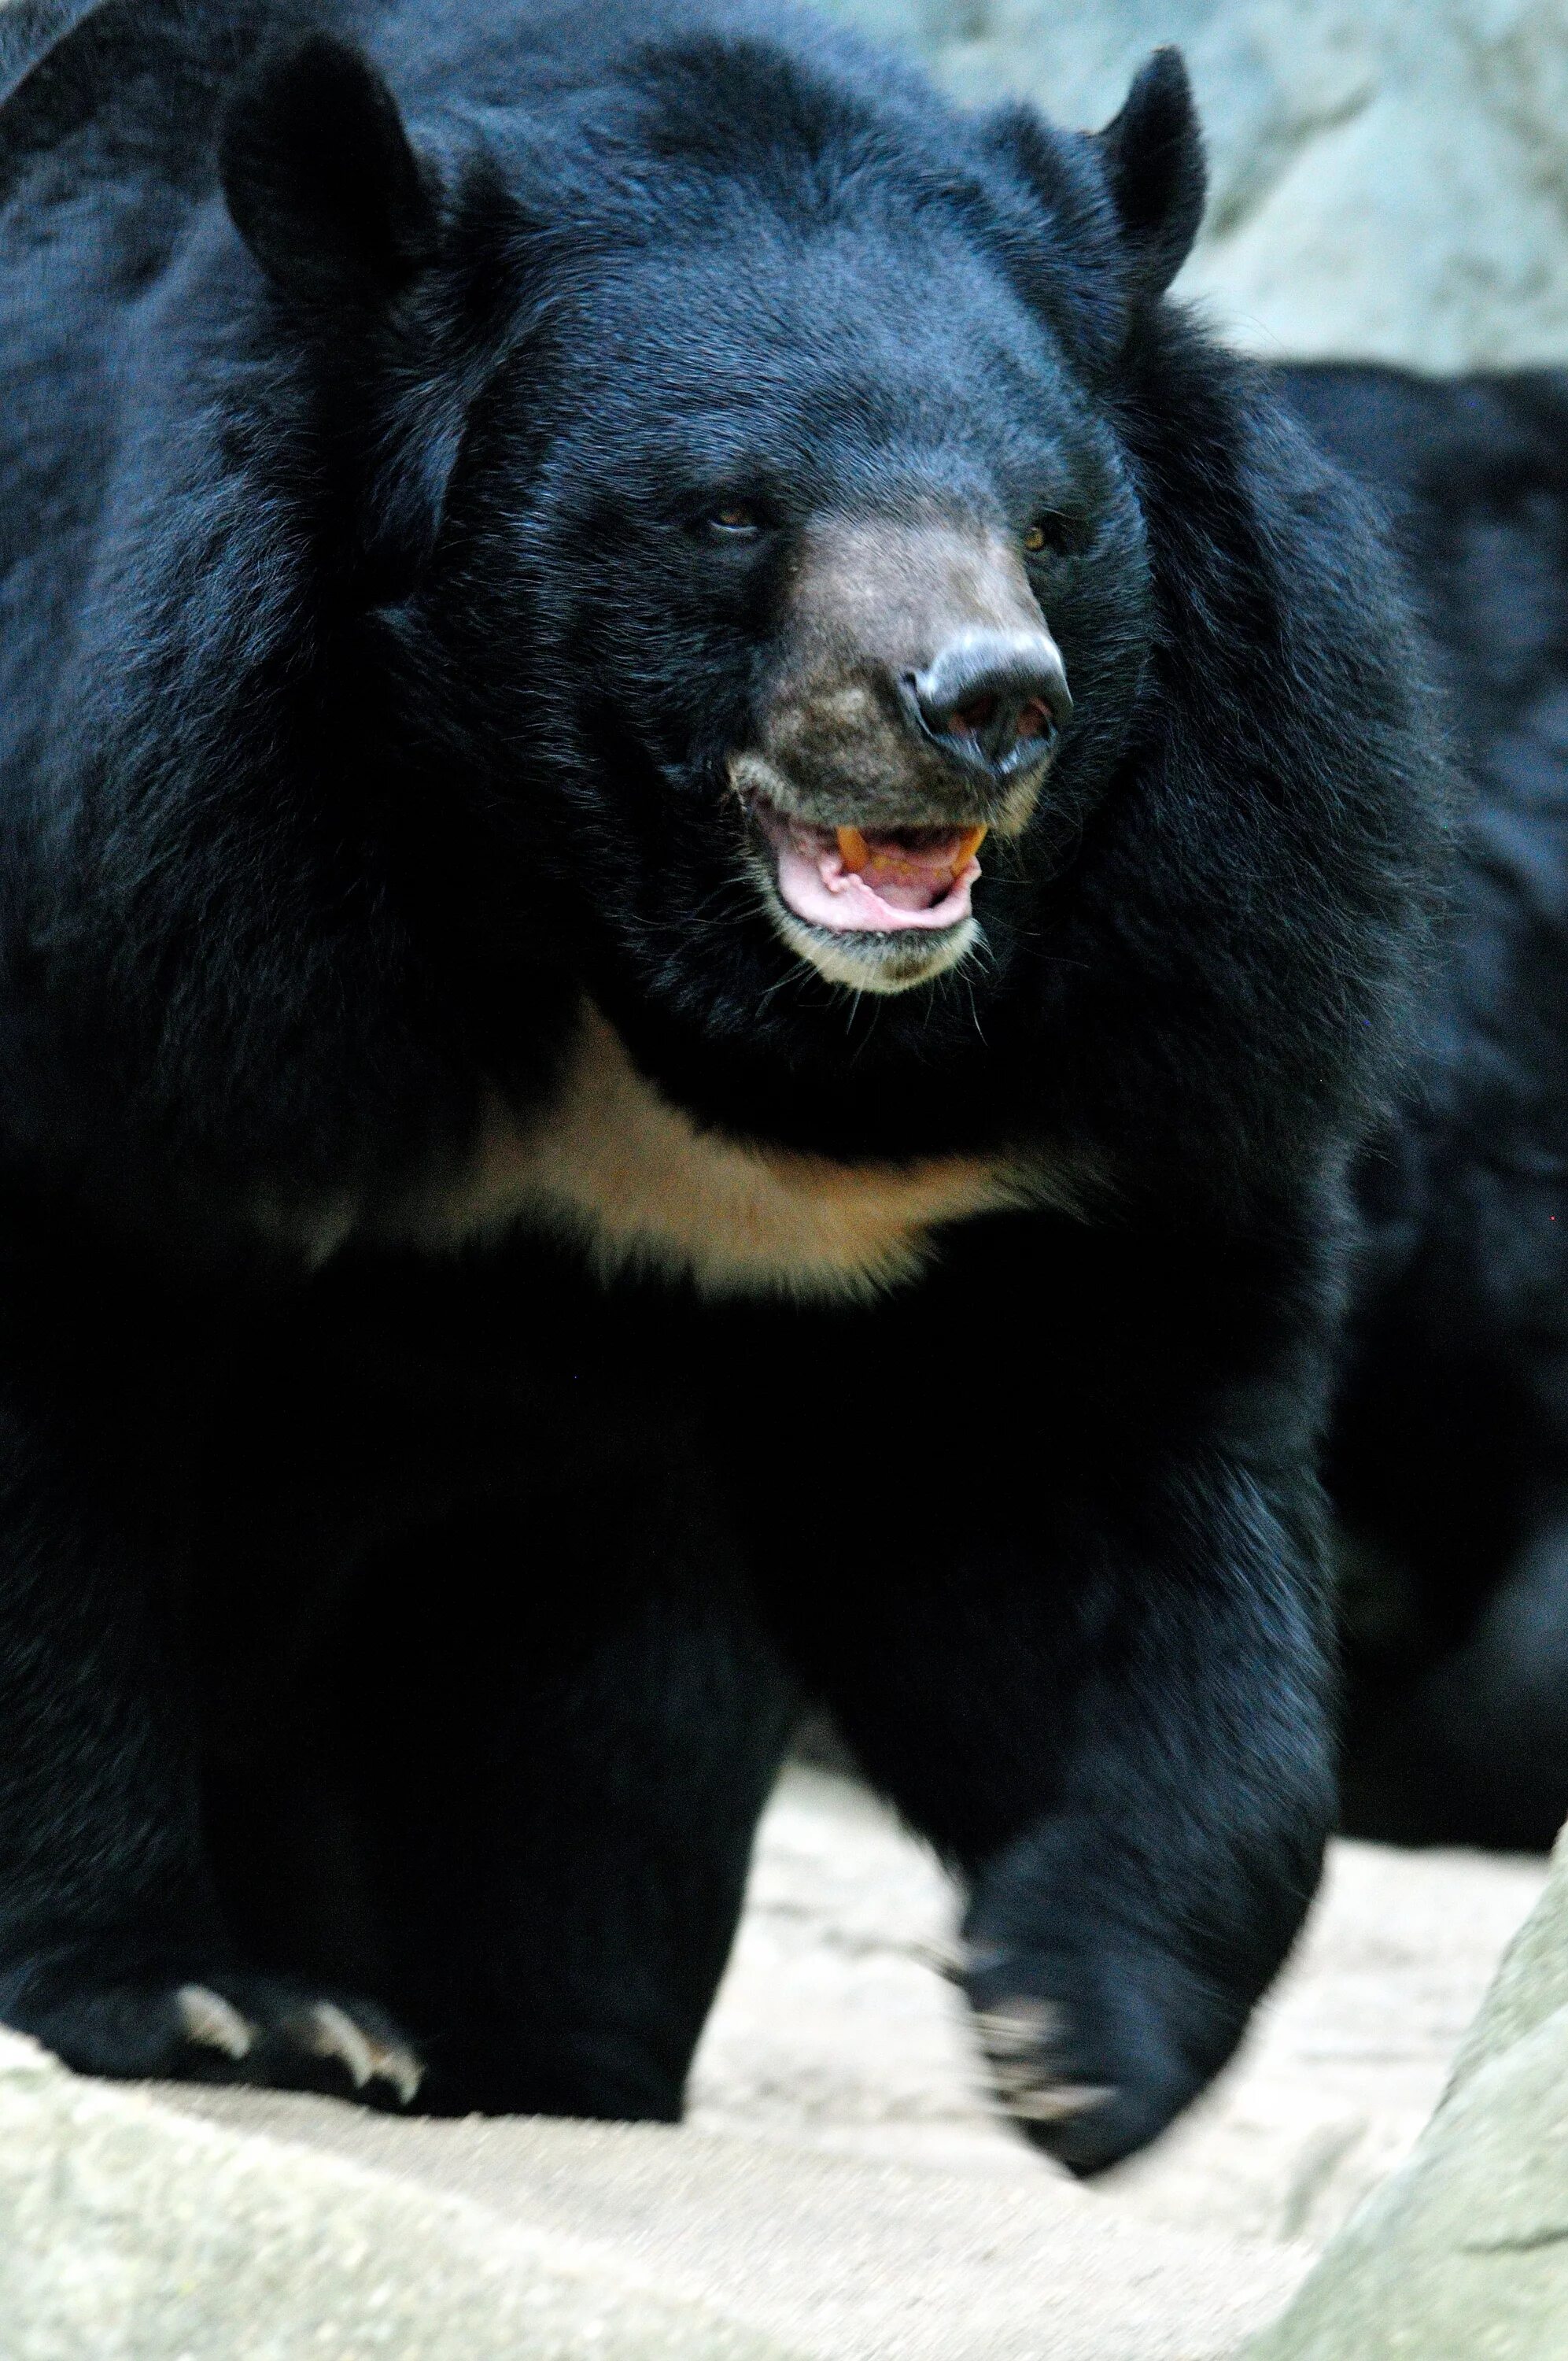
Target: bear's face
(784,600)
(843,586)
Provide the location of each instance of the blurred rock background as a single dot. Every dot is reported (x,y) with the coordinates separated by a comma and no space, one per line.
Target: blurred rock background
(1389,177)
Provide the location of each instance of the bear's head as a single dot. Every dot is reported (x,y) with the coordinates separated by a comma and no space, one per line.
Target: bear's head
(745,535)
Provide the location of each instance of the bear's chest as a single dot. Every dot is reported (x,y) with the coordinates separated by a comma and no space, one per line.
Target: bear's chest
(641,1184)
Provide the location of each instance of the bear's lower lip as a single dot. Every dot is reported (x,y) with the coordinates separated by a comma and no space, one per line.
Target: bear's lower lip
(855,881)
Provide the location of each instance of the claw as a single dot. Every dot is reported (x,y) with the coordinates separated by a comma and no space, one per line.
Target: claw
(330,2032)
(1011,2075)
(212,2021)
(1017,2041)
(1020,2030)
(950,1960)
(402,2069)
(1057,2103)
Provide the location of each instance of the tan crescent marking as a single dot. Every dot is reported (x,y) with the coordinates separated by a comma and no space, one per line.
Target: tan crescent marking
(641,1184)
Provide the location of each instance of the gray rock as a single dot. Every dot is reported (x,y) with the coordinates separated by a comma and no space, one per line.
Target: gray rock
(1463,2252)
(1390,180)
(128,2232)
(842,2187)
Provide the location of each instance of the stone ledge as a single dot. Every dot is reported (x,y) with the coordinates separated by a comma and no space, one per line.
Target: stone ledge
(1463,2250)
(129,2232)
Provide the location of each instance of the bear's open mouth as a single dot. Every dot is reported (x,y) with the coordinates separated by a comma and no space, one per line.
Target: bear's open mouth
(871,881)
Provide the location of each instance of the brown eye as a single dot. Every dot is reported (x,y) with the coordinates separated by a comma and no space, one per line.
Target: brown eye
(735,517)
(1062,536)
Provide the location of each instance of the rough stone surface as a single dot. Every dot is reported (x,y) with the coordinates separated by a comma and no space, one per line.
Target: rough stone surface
(841,2258)
(1530,1986)
(1391,180)
(129,2233)
(841,2194)
(843,2187)
(1463,2252)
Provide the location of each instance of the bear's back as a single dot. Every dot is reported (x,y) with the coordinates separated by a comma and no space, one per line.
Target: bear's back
(131,89)
(97,96)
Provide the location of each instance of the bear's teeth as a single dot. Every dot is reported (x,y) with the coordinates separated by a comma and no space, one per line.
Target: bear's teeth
(933,861)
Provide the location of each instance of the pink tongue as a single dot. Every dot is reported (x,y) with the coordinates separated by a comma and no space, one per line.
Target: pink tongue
(895,890)
(908,881)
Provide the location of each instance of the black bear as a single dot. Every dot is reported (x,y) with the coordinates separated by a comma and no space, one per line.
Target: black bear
(712,852)
(1449,1454)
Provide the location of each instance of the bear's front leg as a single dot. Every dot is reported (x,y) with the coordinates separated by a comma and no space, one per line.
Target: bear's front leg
(1117,1943)
(1102,1696)
(112,1948)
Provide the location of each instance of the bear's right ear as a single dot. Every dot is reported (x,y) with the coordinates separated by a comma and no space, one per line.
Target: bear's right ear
(1152,157)
(321,180)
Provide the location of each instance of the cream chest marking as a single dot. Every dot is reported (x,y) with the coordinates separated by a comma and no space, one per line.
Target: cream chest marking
(614,1164)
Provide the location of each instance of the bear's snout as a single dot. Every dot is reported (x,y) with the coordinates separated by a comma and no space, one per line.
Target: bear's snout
(917,683)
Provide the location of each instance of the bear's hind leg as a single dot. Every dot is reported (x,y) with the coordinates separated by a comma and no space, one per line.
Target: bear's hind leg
(559,1778)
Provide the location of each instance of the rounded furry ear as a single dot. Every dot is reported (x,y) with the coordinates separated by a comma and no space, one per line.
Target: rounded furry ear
(321,180)
(1152,156)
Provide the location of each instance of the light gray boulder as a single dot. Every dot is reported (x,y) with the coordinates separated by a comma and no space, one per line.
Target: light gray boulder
(1390,177)
(128,2232)
(1463,2251)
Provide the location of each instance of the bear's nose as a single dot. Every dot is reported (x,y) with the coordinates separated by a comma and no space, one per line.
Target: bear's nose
(996,699)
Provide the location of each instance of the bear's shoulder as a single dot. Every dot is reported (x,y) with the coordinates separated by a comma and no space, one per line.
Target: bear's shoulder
(96,91)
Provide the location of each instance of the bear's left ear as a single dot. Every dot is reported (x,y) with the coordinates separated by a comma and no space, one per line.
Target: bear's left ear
(321,180)
(1152,157)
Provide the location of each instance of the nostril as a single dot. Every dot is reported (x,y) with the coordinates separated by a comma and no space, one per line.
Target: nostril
(996,697)
(970,719)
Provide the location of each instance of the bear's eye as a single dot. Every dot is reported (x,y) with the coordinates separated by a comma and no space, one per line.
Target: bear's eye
(737,519)
(1049,532)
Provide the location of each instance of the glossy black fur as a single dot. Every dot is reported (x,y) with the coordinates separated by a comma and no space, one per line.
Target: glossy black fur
(1450,1458)
(431,1627)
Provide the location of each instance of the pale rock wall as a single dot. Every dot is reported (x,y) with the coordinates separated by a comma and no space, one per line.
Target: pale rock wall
(1389,177)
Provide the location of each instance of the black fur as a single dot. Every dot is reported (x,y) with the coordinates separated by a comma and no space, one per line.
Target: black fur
(432,1626)
(1450,1459)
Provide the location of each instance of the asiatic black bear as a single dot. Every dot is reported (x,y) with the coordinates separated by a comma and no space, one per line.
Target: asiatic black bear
(711,852)
(1449,1451)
